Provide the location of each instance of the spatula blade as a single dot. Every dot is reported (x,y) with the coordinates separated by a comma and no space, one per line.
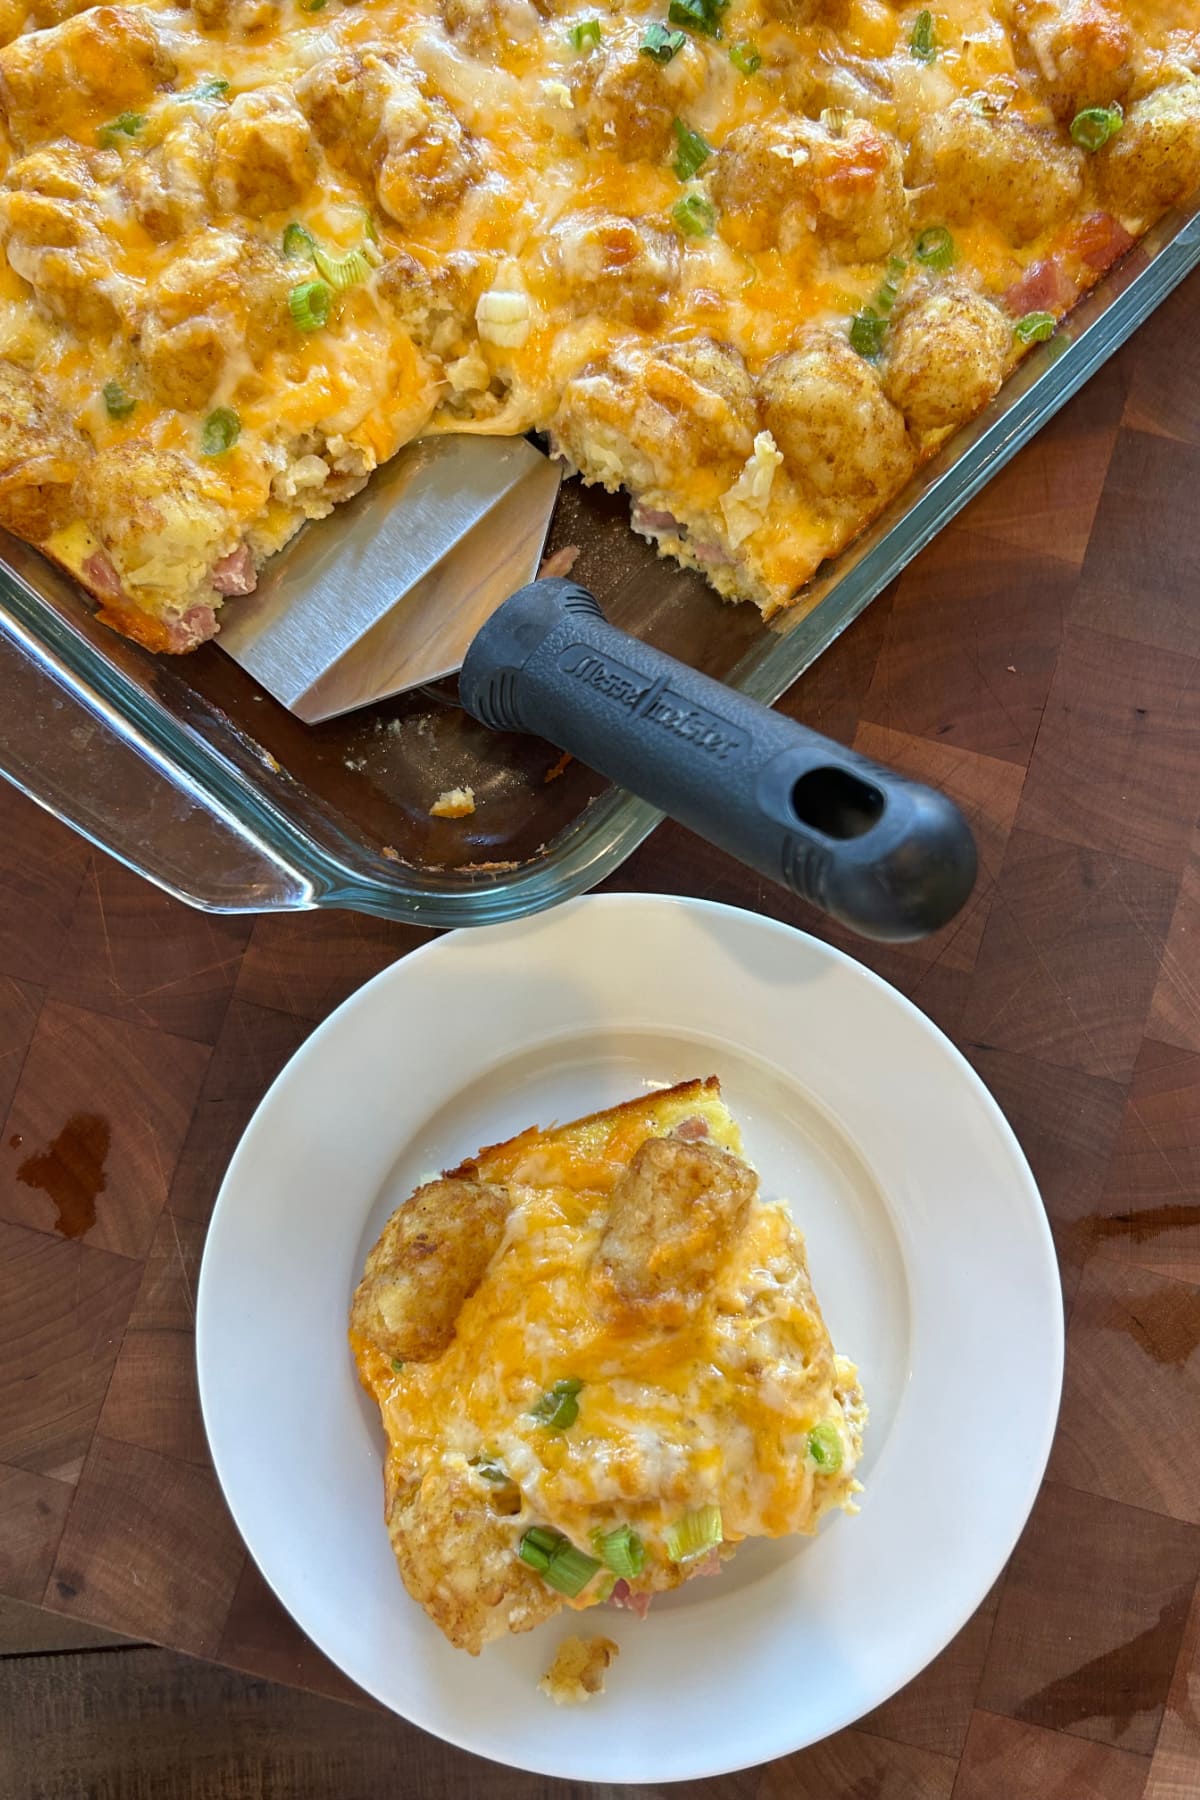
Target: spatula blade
(388,592)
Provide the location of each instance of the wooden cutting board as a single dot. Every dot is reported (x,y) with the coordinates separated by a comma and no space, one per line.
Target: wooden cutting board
(1042,662)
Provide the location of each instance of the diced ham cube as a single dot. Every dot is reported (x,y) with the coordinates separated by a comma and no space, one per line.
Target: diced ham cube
(1100,240)
(624,1597)
(647,519)
(235,573)
(101,577)
(196,626)
(1044,287)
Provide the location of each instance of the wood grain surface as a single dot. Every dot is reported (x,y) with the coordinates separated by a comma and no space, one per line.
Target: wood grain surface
(1041,661)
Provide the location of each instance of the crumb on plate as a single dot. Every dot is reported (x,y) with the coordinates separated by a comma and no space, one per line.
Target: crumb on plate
(578,1669)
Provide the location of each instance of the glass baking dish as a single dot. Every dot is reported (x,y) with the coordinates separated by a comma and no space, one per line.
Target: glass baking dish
(189,773)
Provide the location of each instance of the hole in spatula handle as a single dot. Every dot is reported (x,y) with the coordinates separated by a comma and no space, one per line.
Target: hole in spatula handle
(836,803)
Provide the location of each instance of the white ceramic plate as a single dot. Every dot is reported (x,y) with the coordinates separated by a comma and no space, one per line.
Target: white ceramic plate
(930,1254)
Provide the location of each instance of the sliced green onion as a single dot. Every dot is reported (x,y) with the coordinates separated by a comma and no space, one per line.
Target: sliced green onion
(342,272)
(570,1570)
(559,1408)
(585,35)
(621,1550)
(538,1545)
(889,288)
(866,333)
(703,16)
(694,151)
(825,1447)
(557,1560)
(1092,128)
(695,216)
(213,87)
(220,432)
(312,6)
(298,240)
(397,1365)
(309,305)
(488,1469)
(606,1581)
(368,223)
(923,41)
(1035,328)
(935,248)
(117,402)
(125,125)
(662,44)
(695,1533)
(745,57)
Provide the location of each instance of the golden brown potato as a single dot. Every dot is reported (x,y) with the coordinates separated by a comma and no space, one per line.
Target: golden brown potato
(482,27)
(858,188)
(674,1214)
(718,370)
(17,16)
(265,154)
(947,355)
(111,56)
(436,305)
(167,185)
(432,1254)
(41,221)
(61,171)
(1080,52)
(222,291)
(759,173)
(371,113)
(781,177)
(842,439)
(458,1559)
(49,225)
(343,98)
(644,420)
(625,268)
(40,455)
(998,167)
(185,361)
(628,101)
(157,523)
(1154,160)
(425,159)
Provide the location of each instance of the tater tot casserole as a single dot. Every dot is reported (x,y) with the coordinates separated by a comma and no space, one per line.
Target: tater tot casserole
(750,260)
(600,1367)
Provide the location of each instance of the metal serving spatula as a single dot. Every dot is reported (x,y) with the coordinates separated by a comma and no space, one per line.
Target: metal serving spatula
(418,581)
(388,594)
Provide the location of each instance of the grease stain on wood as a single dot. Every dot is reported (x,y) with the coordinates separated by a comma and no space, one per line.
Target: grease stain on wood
(71,1171)
(1146,1223)
(1165,1325)
(1129,1679)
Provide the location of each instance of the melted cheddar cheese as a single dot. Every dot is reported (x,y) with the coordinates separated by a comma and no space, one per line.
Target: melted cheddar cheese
(649,241)
(705,1397)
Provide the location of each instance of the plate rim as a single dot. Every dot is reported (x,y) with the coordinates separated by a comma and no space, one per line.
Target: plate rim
(445,943)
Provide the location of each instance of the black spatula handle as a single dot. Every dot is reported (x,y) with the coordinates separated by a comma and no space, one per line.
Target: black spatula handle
(889,857)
